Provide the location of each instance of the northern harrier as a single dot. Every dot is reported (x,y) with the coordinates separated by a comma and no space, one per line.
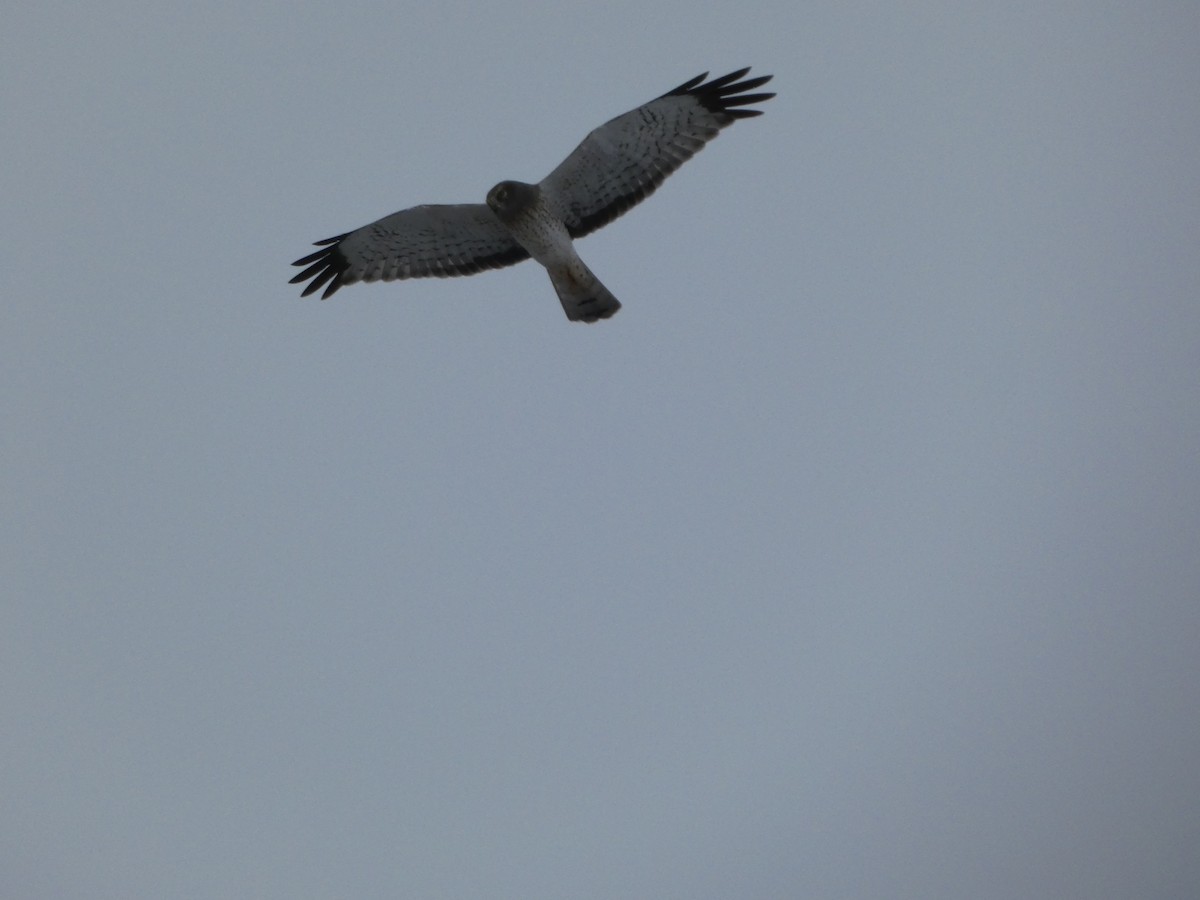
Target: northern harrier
(619,164)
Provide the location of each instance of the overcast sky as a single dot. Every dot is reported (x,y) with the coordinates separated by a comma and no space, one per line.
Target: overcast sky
(858,556)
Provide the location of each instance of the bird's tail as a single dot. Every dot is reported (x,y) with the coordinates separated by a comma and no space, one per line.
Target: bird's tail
(583,297)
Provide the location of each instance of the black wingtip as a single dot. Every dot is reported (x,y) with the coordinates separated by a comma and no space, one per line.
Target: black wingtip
(326,265)
(686,86)
(726,93)
(726,79)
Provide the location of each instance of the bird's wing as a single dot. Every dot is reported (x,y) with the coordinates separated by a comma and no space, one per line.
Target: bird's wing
(623,161)
(420,242)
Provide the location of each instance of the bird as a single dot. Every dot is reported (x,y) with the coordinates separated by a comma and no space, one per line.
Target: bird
(614,168)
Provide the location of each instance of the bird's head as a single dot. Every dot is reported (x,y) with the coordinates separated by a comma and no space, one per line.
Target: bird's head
(509,198)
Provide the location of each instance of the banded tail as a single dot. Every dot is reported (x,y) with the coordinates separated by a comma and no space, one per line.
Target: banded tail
(584,298)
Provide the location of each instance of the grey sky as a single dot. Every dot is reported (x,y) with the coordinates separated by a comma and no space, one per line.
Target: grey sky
(856,557)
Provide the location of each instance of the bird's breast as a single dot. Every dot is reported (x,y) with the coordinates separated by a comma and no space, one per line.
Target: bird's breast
(543,235)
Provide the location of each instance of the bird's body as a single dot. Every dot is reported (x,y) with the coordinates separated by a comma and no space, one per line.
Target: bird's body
(615,167)
(545,237)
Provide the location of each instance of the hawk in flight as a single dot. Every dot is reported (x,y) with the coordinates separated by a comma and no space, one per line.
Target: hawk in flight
(619,164)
